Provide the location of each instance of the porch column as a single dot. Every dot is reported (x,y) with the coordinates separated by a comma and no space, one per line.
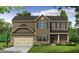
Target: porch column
(35,39)
(58,38)
(68,38)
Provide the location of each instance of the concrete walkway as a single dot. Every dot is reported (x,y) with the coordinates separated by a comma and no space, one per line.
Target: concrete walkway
(17,49)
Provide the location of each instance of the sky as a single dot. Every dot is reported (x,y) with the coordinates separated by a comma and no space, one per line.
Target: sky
(40,10)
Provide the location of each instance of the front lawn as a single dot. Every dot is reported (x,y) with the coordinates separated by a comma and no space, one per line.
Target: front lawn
(54,49)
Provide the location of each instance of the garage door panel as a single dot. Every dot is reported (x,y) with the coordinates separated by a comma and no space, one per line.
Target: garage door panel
(23,41)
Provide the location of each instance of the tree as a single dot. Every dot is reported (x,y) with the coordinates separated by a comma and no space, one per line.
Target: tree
(76,7)
(5,30)
(63,13)
(1,25)
(77,20)
(69,24)
(4,26)
(25,13)
(7,9)
(73,35)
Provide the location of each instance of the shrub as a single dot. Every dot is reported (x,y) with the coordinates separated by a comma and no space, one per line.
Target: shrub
(59,44)
(71,44)
(5,46)
(67,44)
(41,44)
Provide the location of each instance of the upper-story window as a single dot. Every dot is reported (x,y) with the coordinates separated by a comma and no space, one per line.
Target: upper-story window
(58,25)
(63,26)
(53,26)
(42,24)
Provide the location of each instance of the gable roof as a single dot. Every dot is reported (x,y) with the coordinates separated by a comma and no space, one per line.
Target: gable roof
(23,27)
(42,16)
(34,17)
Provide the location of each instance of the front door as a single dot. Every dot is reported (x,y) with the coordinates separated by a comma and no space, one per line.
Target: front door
(52,39)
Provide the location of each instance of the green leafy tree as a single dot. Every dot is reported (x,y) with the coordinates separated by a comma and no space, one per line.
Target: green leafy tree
(77,19)
(63,13)
(25,13)
(69,24)
(77,23)
(5,30)
(7,9)
(1,25)
(4,26)
(73,35)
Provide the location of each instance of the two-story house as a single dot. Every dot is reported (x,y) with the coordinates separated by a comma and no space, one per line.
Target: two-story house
(28,30)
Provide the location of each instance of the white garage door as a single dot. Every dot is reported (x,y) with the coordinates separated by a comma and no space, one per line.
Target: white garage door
(23,41)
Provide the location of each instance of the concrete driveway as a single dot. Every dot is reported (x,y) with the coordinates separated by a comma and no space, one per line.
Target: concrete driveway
(17,49)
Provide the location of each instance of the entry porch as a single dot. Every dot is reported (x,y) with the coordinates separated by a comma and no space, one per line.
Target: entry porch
(59,38)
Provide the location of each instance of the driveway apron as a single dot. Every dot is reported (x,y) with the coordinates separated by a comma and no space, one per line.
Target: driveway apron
(17,49)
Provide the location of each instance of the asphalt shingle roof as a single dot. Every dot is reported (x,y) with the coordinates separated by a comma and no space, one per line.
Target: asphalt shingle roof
(34,17)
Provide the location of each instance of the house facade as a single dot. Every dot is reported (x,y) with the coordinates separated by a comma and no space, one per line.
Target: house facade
(29,30)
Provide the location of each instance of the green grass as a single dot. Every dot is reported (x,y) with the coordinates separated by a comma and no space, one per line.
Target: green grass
(3,45)
(54,49)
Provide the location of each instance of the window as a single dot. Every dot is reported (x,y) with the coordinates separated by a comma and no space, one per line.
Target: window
(62,26)
(42,38)
(42,24)
(39,38)
(45,38)
(39,24)
(53,26)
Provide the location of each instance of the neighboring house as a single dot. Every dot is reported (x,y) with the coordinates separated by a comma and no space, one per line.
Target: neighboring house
(28,30)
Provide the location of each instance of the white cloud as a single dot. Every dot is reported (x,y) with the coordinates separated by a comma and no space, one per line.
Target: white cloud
(71,15)
(70,12)
(50,12)
(54,12)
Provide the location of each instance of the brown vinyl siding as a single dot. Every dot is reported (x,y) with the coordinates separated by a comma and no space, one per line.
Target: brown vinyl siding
(15,25)
(30,25)
(23,34)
